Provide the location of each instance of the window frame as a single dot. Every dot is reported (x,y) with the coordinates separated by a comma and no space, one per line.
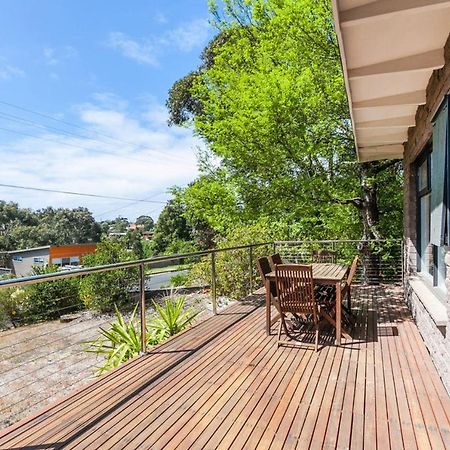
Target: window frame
(425,155)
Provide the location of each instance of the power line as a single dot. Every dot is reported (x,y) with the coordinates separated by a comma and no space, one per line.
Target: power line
(9,130)
(13,186)
(12,105)
(22,120)
(141,147)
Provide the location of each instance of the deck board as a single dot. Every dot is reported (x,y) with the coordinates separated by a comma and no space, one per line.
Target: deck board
(225,384)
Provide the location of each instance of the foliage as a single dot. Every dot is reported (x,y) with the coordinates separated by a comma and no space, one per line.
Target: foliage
(180,279)
(49,300)
(11,303)
(102,290)
(22,228)
(146,221)
(121,342)
(232,267)
(172,317)
(171,227)
(274,114)
(117,225)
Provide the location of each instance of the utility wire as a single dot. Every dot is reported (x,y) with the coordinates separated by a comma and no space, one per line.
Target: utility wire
(67,144)
(63,121)
(141,147)
(82,194)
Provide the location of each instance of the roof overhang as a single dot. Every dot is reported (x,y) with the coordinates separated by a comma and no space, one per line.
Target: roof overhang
(389,49)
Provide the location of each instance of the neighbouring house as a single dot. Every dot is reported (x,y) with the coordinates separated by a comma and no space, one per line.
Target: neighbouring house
(396,62)
(24,260)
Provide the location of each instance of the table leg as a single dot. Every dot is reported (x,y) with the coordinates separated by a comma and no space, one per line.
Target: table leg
(268,319)
(338,314)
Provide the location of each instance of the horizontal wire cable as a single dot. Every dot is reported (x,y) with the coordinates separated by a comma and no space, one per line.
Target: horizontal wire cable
(47,343)
(82,194)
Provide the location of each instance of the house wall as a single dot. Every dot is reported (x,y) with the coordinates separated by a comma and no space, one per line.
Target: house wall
(23,267)
(67,251)
(433,319)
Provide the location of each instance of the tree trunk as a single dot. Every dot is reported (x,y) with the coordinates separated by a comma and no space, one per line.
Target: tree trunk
(370,216)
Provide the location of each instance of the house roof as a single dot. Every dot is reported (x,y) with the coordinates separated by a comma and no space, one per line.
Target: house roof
(26,250)
(389,49)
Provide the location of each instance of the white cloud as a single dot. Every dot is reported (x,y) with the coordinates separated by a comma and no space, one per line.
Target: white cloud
(54,56)
(8,72)
(190,35)
(143,52)
(120,155)
(185,38)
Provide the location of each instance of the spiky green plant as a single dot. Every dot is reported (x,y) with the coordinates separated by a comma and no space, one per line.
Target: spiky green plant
(121,342)
(171,317)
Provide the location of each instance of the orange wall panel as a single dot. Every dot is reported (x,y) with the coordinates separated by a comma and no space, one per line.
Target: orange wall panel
(66,251)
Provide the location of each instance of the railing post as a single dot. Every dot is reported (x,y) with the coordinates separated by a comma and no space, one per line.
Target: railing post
(213,283)
(142,308)
(250,257)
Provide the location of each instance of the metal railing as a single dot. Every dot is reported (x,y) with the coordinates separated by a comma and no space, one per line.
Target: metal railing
(141,265)
(381,261)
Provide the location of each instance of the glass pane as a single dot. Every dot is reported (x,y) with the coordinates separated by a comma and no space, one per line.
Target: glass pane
(422,174)
(441,267)
(424,204)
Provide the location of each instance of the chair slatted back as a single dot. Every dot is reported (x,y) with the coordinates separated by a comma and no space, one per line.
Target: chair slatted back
(295,289)
(275,259)
(352,271)
(264,268)
(324,256)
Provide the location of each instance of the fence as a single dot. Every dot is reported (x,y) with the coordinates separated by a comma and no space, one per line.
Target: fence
(52,353)
(380,261)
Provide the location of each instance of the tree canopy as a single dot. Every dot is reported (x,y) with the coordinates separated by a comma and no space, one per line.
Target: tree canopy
(272,110)
(21,227)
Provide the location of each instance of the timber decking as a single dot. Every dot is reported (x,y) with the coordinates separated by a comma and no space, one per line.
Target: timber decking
(224,384)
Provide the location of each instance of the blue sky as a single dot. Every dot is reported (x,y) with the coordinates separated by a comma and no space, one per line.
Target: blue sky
(104,66)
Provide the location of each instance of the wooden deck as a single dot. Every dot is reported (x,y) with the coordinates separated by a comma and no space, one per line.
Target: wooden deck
(224,384)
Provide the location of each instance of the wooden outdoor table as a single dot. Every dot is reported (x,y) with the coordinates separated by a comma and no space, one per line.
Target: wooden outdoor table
(324,274)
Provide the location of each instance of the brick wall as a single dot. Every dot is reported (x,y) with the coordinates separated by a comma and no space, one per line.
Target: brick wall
(436,339)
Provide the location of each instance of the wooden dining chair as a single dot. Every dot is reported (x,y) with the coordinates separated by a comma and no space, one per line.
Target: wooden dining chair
(275,259)
(295,292)
(324,256)
(264,268)
(345,288)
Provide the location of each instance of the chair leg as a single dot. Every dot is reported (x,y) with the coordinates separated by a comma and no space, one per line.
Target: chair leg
(279,332)
(316,345)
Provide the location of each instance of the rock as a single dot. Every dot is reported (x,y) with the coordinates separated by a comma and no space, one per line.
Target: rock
(69,317)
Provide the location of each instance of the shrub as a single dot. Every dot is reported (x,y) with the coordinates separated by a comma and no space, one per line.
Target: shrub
(180,279)
(11,304)
(121,342)
(172,317)
(48,300)
(103,290)
(233,266)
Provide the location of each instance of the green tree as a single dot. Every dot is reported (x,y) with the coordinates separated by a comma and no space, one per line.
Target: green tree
(171,227)
(147,222)
(103,290)
(50,300)
(21,227)
(274,114)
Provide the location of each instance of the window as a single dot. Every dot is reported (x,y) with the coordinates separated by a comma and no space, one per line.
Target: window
(423,212)
(57,261)
(38,260)
(433,212)
(74,260)
(17,258)
(65,262)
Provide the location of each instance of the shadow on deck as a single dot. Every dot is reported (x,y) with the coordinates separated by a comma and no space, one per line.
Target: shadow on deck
(224,384)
